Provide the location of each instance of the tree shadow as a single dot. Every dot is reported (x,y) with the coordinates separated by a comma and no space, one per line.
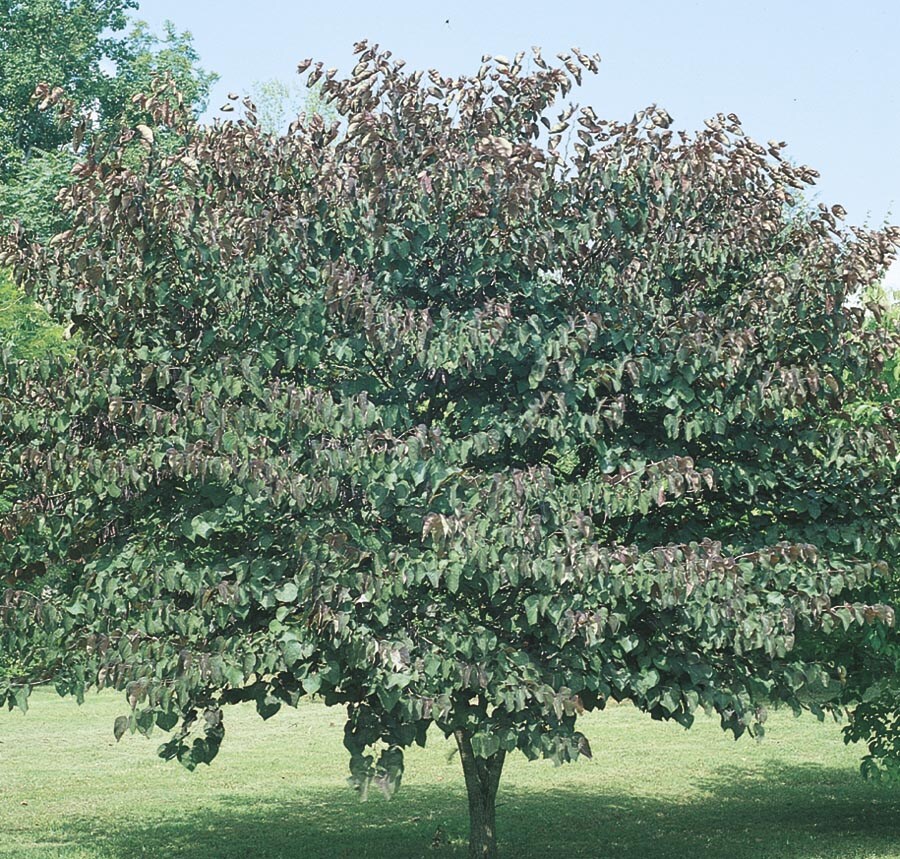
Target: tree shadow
(803,812)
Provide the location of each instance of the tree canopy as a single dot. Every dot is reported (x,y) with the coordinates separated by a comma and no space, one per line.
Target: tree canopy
(82,47)
(91,54)
(448,419)
(60,41)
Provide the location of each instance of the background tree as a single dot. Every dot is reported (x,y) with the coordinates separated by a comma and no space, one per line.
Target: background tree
(80,46)
(81,50)
(66,43)
(149,57)
(277,104)
(29,193)
(416,413)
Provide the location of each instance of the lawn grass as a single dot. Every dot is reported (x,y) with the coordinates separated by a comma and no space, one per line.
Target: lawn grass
(277,789)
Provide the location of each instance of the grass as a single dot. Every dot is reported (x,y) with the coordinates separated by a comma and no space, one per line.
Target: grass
(68,791)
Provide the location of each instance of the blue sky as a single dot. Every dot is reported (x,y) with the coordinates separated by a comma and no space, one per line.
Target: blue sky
(824,76)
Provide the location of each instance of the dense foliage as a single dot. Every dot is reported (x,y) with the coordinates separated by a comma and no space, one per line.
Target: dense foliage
(26,334)
(64,42)
(429,416)
(28,194)
(26,331)
(79,50)
(81,47)
(874,663)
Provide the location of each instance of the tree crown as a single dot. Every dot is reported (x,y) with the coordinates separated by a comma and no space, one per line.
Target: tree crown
(426,414)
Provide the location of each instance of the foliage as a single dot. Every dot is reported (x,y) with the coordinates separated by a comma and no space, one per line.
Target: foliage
(29,194)
(75,49)
(71,44)
(26,334)
(415,413)
(876,664)
(9,668)
(64,42)
(26,331)
(150,57)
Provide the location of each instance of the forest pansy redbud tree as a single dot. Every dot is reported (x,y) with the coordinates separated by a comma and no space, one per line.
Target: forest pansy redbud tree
(453,420)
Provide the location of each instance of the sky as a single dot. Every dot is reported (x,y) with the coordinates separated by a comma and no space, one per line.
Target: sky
(823,76)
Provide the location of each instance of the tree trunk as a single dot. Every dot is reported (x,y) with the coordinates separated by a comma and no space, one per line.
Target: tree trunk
(482,780)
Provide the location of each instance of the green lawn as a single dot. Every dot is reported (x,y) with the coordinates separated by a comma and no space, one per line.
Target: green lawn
(653,791)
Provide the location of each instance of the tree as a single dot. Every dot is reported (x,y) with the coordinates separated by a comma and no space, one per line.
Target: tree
(75,46)
(277,104)
(65,42)
(416,413)
(77,50)
(70,50)
(149,57)
(26,333)
(78,46)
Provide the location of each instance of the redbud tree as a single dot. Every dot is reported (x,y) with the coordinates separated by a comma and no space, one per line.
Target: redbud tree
(459,422)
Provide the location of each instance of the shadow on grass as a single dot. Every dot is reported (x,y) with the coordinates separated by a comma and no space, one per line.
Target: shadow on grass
(799,812)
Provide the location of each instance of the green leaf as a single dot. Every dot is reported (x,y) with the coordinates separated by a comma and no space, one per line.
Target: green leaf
(287,592)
